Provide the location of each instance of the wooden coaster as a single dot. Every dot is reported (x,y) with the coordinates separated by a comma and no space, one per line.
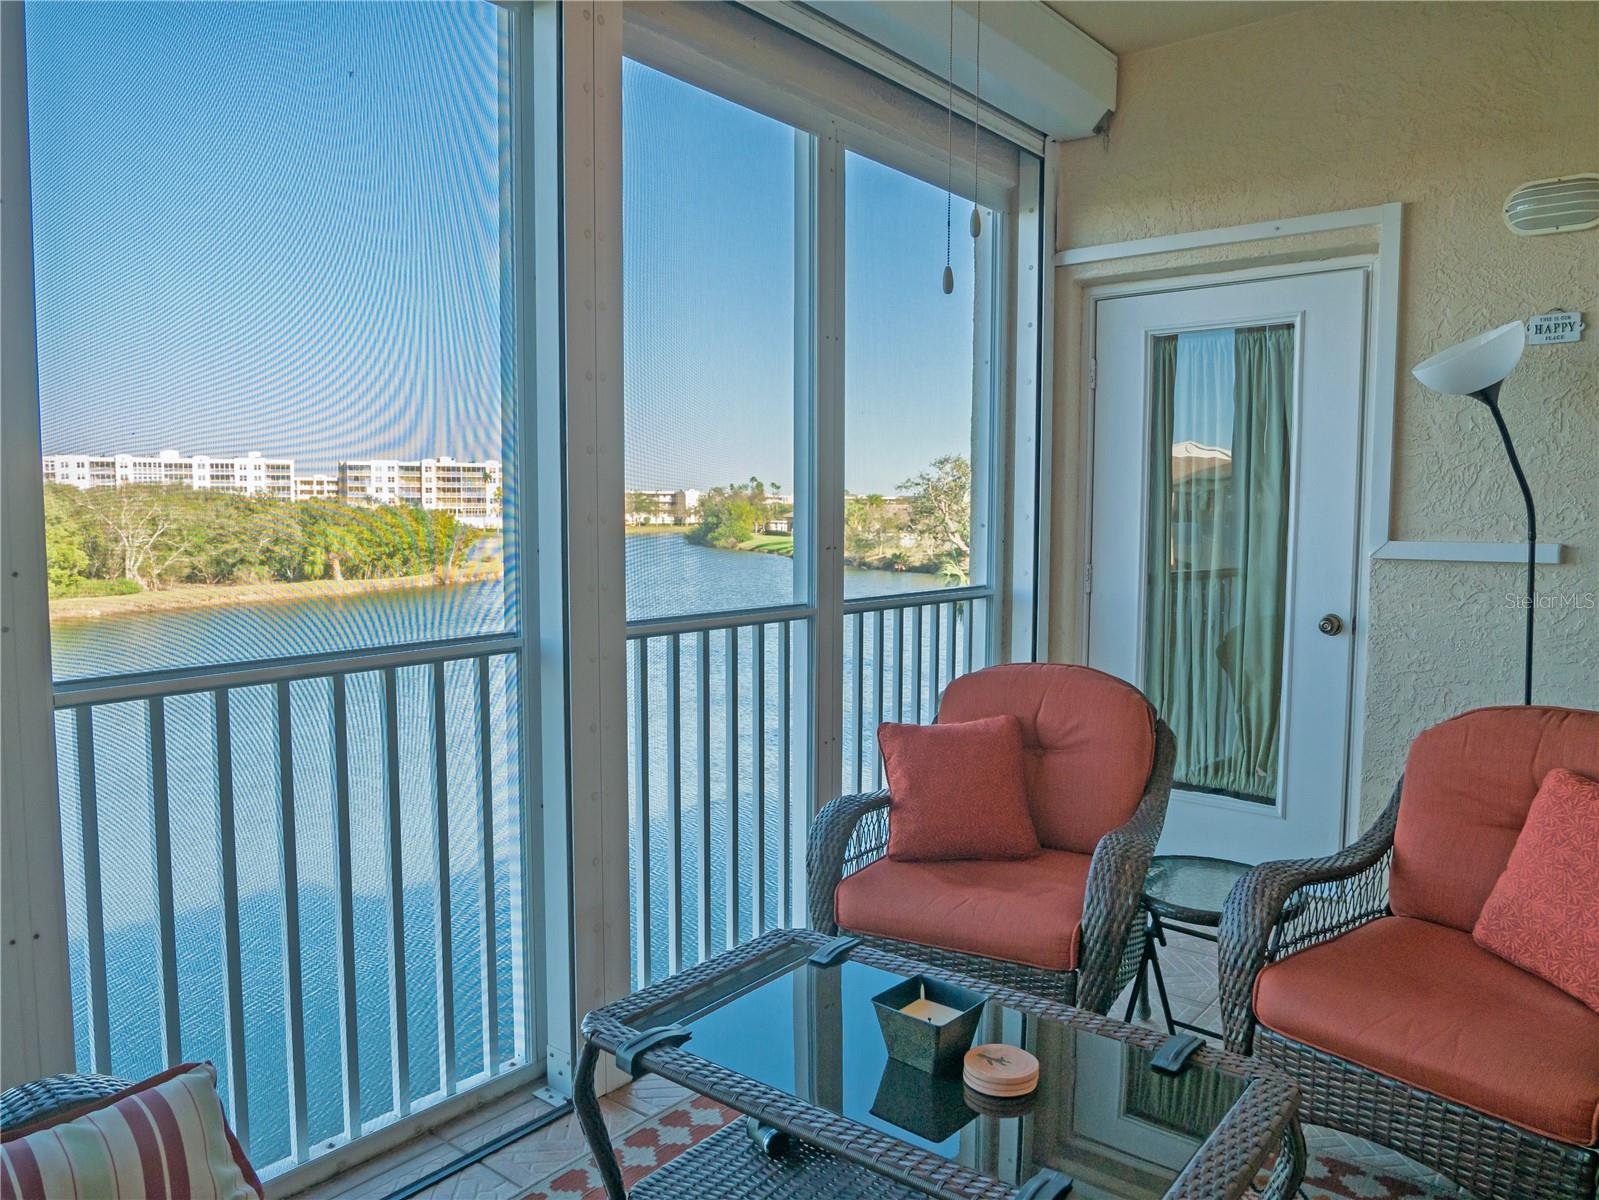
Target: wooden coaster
(996,1069)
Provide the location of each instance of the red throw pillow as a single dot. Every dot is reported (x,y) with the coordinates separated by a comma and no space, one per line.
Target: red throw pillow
(957,791)
(1543,914)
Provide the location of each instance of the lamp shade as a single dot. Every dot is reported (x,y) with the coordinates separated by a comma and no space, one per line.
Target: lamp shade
(1477,363)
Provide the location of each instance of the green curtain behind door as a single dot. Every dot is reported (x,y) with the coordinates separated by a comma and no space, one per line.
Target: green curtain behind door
(1218,553)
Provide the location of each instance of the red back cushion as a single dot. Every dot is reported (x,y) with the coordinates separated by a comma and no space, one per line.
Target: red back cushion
(1543,914)
(956,791)
(1468,785)
(1088,739)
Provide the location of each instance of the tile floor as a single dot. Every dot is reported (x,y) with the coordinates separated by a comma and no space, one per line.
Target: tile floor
(1189,966)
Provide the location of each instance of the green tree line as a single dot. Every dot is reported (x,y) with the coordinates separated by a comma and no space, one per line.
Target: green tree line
(927,527)
(733,515)
(150,536)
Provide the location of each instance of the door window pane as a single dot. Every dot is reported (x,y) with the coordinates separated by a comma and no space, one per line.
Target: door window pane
(708,293)
(1220,451)
(268,255)
(911,401)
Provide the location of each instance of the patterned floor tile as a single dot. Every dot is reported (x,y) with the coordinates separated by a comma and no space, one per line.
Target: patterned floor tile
(650,1094)
(382,1175)
(545,1152)
(477,1182)
(481,1125)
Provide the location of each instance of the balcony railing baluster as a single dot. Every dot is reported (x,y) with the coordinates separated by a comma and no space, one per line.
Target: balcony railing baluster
(702,695)
(758,728)
(899,664)
(785,754)
(952,633)
(349,1029)
(641,808)
(879,668)
(971,623)
(916,665)
(232,969)
(444,963)
(94,901)
(166,920)
(289,887)
(734,902)
(489,971)
(399,1022)
(860,697)
(674,803)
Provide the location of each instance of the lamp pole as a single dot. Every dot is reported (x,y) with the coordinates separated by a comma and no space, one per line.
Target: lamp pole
(1490,396)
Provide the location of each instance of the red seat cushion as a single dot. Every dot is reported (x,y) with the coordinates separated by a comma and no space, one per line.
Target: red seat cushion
(1543,914)
(957,791)
(1424,1004)
(1027,911)
(1468,785)
(1089,739)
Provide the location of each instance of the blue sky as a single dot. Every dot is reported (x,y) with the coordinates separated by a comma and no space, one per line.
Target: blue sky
(276,228)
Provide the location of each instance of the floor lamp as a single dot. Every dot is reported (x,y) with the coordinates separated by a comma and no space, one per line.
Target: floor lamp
(1477,368)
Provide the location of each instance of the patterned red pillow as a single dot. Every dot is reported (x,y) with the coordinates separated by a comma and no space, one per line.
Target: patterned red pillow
(1543,914)
(166,1136)
(957,790)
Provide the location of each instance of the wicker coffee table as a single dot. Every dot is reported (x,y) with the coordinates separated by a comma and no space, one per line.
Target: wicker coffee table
(795,1044)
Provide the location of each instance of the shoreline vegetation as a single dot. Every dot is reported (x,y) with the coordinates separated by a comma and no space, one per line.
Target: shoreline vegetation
(150,548)
(213,595)
(926,528)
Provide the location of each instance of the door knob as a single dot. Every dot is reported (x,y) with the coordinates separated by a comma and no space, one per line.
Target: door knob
(1332,624)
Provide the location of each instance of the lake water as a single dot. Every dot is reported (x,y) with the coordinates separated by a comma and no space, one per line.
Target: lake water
(666,575)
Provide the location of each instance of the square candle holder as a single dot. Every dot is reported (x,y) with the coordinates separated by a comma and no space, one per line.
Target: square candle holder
(928,1024)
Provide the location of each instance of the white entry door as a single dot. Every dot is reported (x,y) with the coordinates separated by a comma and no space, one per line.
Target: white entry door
(1226,471)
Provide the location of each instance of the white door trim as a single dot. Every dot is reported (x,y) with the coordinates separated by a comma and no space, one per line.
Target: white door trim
(1378,400)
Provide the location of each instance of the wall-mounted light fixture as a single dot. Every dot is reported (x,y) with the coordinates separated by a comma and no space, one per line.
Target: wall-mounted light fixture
(1561,205)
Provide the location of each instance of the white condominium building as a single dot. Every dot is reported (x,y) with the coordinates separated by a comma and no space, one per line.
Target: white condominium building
(316,487)
(468,490)
(662,507)
(252,475)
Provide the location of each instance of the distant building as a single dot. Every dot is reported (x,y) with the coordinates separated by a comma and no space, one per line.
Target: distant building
(316,487)
(252,475)
(663,507)
(470,491)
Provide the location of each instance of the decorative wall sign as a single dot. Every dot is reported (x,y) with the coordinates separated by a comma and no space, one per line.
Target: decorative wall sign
(1549,328)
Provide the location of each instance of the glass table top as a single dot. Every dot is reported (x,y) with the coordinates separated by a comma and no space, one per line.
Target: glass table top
(1191,888)
(1100,1114)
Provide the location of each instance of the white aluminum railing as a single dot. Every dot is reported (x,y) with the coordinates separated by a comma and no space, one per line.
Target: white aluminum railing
(719,734)
(337,724)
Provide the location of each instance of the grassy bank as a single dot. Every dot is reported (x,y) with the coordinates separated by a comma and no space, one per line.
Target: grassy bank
(770,543)
(196,595)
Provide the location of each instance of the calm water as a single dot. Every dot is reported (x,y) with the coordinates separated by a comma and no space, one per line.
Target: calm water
(666,576)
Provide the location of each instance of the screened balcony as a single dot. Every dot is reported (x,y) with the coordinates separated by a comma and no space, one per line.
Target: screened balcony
(647,403)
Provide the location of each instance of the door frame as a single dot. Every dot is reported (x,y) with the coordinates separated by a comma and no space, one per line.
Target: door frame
(1378,392)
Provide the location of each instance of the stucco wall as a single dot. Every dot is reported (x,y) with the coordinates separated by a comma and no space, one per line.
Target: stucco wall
(1444,107)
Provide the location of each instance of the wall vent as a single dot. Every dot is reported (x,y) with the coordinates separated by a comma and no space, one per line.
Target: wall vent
(1561,205)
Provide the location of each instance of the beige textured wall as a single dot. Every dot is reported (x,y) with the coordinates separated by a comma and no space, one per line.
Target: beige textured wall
(1444,107)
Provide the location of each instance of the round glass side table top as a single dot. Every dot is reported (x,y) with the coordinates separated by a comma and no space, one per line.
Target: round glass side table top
(1190,888)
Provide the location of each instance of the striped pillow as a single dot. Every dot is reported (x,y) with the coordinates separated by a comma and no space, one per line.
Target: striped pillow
(165,1137)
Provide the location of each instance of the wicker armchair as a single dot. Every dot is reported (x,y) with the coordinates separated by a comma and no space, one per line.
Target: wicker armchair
(1346,893)
(29,1103)
(851,833)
